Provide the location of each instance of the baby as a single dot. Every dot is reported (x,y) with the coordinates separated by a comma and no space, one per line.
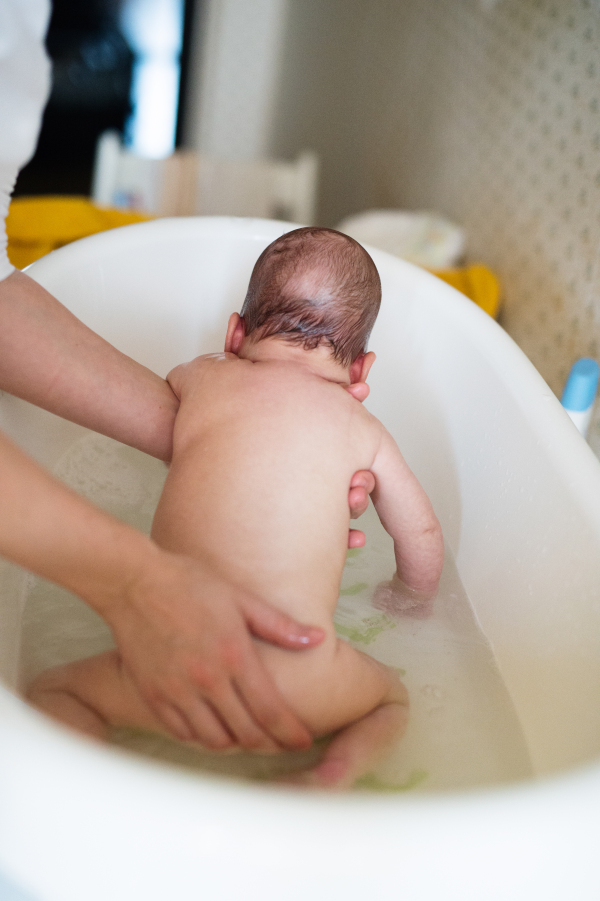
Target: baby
(265,444)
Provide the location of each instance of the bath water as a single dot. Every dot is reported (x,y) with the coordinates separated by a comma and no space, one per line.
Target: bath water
(463,730)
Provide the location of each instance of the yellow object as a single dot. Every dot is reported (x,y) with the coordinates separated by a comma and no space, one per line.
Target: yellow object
(477,282)
(37,225)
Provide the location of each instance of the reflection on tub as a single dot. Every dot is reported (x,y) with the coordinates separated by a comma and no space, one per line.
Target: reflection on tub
(463,731)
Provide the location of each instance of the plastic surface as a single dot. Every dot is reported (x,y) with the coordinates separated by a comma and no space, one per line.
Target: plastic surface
(10,892)
(426,239)
(518,494)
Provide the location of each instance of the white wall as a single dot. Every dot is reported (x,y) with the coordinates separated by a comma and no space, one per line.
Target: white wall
(236,60)
(486,112)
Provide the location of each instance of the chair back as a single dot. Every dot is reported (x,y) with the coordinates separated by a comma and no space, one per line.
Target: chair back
(190,184)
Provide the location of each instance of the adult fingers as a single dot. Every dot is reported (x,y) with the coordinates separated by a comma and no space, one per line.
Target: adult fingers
(199,723)
(207,725)
(356,538)
(358,501)
(361,485)
(247,733)
(359,390)
(276,627)
(268,708)
(243,708)
(364,478)
(170,717)
(210,711)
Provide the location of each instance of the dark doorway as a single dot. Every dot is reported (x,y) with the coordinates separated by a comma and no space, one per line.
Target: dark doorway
(92,66)
(91,78)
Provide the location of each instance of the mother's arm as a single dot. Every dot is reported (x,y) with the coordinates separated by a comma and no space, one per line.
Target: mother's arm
(50,358)
(197,668)
(184,635)
(182,632)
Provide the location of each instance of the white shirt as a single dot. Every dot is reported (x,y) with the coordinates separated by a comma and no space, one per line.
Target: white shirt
(24,86)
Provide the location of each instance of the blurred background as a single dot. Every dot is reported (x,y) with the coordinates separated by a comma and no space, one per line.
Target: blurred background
(483,112)
(115,64)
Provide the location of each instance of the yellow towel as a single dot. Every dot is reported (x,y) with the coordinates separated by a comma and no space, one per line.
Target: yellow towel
(477,282)
(37,225)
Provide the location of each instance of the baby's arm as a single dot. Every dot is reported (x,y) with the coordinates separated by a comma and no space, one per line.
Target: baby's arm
(50,358)
(407,515)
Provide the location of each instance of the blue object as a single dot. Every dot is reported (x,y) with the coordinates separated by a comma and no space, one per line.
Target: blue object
(581,386)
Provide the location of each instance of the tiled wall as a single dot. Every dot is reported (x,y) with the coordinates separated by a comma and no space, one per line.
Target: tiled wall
(488,112)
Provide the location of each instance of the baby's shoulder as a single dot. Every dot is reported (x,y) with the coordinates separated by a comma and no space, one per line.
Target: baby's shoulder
(186,377)
(208,363)
(367,426)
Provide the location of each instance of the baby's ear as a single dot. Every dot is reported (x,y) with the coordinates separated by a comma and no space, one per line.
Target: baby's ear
(359,369)
(236,332)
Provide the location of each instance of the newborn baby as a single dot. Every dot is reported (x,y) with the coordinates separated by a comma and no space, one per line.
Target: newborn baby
(266,442)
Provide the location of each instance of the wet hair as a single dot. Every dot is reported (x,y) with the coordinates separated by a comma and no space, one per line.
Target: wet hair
(314,286)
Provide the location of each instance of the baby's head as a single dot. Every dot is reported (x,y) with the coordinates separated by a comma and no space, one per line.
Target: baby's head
(314,286)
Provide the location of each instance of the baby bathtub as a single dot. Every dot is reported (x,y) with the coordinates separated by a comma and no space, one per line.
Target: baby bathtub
(518,493)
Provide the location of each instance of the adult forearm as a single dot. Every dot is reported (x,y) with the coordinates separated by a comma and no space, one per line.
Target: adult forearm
(50,530)
(50,358)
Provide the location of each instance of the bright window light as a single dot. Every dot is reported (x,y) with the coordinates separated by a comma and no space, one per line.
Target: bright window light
(153,29)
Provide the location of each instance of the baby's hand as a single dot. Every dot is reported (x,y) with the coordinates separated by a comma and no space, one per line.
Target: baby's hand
(396,599)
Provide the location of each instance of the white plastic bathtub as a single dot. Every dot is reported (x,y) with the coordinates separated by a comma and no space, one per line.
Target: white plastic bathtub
(518,493)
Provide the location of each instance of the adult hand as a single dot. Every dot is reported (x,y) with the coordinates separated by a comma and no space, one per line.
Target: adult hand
(363,482)
(184,636)
(181,630)
(359,390)
(50,358)
(361,486)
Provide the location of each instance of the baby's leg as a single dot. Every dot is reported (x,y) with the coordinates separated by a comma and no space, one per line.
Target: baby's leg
(92,695)
(374,704)
(355,748)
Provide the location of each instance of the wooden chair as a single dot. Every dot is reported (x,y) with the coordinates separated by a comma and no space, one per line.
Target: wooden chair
(191,184)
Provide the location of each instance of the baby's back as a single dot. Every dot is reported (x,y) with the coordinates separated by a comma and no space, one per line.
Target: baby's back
(263,458)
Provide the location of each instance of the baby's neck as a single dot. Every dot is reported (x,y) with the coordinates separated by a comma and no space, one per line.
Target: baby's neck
(319,361)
